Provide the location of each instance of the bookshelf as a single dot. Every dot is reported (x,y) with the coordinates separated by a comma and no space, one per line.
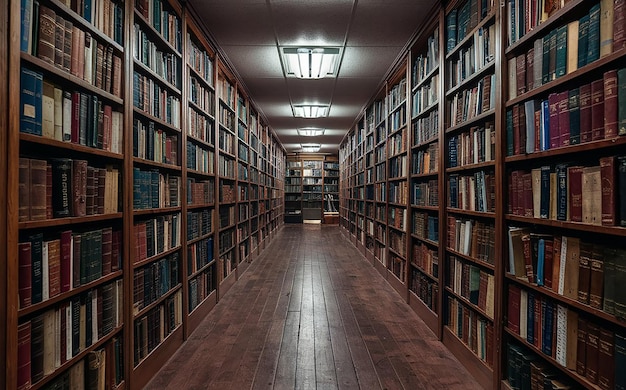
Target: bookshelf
(562,136)
(426,156)
(199,262)
(121,206)
(293,191)
(331,191)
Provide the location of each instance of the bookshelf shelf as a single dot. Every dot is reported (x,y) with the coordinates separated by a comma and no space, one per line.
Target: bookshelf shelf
(471,259)
(470,35)
(155,34)
(480,369)
(576,226)
(68,146)
(156,211)
(434,71)
(154,76)
(479,214)
(424,272)
(156,120)
(599,145)
(470,167)
(427,110)
(466,302)
(69,221)
(158,301)
(142,263)
(471,79)
(477,119)
(154,164)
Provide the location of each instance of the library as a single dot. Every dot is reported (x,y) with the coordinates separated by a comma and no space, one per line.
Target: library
(323,194)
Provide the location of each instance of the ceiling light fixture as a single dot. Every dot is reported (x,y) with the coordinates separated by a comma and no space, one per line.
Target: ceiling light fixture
(310,111)
(311,63)
(310,148)
(310,131)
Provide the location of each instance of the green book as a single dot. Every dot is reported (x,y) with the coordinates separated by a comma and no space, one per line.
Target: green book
(510,149)
(583,34)
(574,116)
(561,51)
(593,44)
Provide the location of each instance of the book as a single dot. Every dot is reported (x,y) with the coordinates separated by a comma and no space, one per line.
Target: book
(592,352)
(584,103)
(596,284)
(608,181)
(62,191)
(513,316)
(31,85)
(584,272)
(572,46)
(621,97)
(619,25)
(24,355)
(46,35)
(561,51)
(583,40)
(621,188)
(592,195)
(610,103)
(574,181)
(619,353)
(606,27)
(597,110)
(24,274)
(569,267)
(593,43)
(95,370)
(38,172)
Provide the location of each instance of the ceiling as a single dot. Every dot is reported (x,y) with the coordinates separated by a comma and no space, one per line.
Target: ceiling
(372,34)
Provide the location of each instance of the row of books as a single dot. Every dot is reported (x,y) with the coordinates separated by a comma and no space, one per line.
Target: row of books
(472,147)
(199,223)
(155,189)
(395,144)
(200,159)
(151,98)
(472,283)
(397,217)
(473,192)
(565,192)
(227,193)
(155,236)
(469,103)
(200,61)
(242,152)
(201,286)
(397,167)
(62,188)
(525,15)
(227,216)
(576,342)
(589,273)
(471,328)
(227,118)
(50,339)
(105,15)
(525,370)
(472,238)
(397,265)
(200,126)
(69,116)
(425,63)
(397,242)
(397,95)
(159,322)
(426,160)
(425,226)
(226,93)
(226,141)
(227,240)
(165,64)
(426,129)
(162,19)
(462,20)
(474,58)
(425,289)
(151,143)
(426,258)
(49,267)
(591,112)
(47,35)
(155,280)
(200,192)
(426,194)
(426,96)
(397,119)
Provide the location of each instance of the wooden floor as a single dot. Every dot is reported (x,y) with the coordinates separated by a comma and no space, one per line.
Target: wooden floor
(311,313)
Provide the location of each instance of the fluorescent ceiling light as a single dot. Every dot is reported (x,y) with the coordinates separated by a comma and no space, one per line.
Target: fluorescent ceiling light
(311,63)
(310,111)
(310,148)
(310,131)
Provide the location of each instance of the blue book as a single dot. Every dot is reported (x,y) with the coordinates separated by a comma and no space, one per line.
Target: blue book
(544,210)
(561,192)
(451,30)
(545,125)
(26,11)
(510,148)
(87,10)
(31,101)
(541,258)
(36,242)
(547,322)
(561,51)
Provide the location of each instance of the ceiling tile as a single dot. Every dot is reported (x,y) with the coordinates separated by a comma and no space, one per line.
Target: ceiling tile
(320,22)
(255,61)
(237,22)
(367,61)
(310,91)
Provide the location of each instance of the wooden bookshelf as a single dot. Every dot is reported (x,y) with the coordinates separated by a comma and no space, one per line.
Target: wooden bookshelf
(145,322)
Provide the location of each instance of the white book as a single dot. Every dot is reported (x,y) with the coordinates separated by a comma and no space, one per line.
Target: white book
(68,331)
(89,54)
(562,265)
(561,335)
(94,316)
(523,314)
(58,114)
(57,336)
(67,117)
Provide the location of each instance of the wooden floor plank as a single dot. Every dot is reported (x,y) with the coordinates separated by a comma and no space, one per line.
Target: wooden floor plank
(312,313)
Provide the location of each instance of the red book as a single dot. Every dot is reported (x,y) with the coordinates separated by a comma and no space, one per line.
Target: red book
(66,261)
(79,190)
(592,353)
(513,315)
(597,110)
(619,25)
(38,173)
(564,119)
(575,198)
(25,274)
(23,356)
(527,194)
(548,262)
(585,112)
(115,251)
(24,189)
(520,62)
(107,127)
(49,210)
(606,355)
(610,104)
(513,192)
(538,321)
(54,268)
(607,180)
(517,145)
(528,258)
(555,135)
